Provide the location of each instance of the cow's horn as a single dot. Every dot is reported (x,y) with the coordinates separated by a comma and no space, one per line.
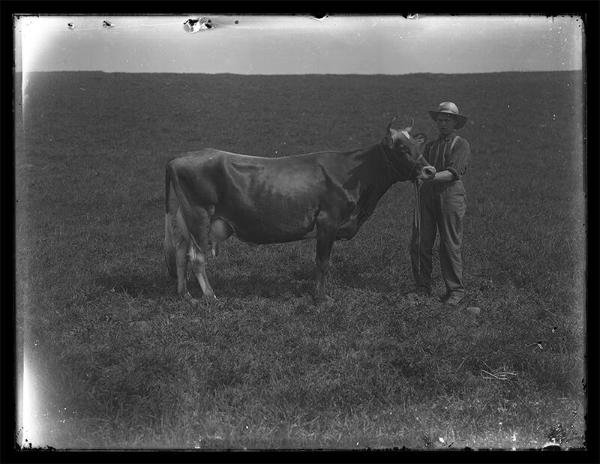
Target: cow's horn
(410,127)
(390,123)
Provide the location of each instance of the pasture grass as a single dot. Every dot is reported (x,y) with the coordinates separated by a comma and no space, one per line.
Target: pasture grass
(121,362)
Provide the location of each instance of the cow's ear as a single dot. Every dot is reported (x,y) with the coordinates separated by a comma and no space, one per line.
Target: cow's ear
(389,126)
(389,137)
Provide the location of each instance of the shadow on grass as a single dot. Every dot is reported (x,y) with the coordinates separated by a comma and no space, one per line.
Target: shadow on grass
(301,282)
(296,284)
(151,285)
(156,285)
(349,274)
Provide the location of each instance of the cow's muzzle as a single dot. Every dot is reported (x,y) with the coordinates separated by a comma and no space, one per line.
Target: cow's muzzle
(426,172)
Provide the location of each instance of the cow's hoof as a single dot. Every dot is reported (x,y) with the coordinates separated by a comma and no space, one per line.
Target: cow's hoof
(210,300)
(191,300)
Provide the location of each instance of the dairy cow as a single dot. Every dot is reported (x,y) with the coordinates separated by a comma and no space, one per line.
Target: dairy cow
(325,196)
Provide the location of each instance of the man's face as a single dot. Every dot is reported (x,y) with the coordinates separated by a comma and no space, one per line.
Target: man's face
(446,124)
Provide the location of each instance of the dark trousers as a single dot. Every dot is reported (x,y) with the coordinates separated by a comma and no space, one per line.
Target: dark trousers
(442,209)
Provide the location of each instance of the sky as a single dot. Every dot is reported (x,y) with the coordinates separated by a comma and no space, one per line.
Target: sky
(300,44)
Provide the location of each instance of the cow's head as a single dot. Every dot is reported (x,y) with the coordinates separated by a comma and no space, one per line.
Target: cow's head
(405,152)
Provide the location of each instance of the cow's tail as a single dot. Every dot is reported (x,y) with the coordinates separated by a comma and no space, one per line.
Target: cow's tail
(169,244)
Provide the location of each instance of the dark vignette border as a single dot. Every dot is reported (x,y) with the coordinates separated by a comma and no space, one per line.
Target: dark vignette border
(587,9)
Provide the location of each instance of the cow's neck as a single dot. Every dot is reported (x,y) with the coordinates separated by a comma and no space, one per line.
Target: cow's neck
(375,178)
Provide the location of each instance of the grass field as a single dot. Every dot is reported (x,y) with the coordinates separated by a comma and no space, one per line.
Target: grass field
(118,361)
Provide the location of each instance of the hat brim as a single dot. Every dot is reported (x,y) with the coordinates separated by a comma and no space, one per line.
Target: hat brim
(459,118)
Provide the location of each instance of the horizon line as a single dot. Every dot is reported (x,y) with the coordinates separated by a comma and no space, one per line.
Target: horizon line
(304,74)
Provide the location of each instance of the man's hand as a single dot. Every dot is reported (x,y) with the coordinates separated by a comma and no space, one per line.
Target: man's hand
(441,176)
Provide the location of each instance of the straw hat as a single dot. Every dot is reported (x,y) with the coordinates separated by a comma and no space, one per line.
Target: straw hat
(451,109)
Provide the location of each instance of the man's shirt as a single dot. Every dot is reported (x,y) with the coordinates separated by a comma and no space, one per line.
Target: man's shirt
(446,154)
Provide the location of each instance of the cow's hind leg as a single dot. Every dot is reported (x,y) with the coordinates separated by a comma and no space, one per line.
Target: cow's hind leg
(181,242)
(199,241)
(198,262)
(182,259)
(325,239)
(170,248)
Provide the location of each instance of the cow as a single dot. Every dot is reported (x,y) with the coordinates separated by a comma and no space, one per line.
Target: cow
(325,196)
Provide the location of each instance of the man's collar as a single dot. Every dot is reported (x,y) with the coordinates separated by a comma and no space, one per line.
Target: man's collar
(447,138)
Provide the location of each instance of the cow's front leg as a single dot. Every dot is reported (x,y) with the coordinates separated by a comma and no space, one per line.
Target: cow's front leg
(325,238)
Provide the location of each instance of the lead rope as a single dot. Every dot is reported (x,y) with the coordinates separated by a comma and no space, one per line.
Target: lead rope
(417,222)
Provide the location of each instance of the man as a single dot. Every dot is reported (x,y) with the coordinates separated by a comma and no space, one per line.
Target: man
(442,207)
